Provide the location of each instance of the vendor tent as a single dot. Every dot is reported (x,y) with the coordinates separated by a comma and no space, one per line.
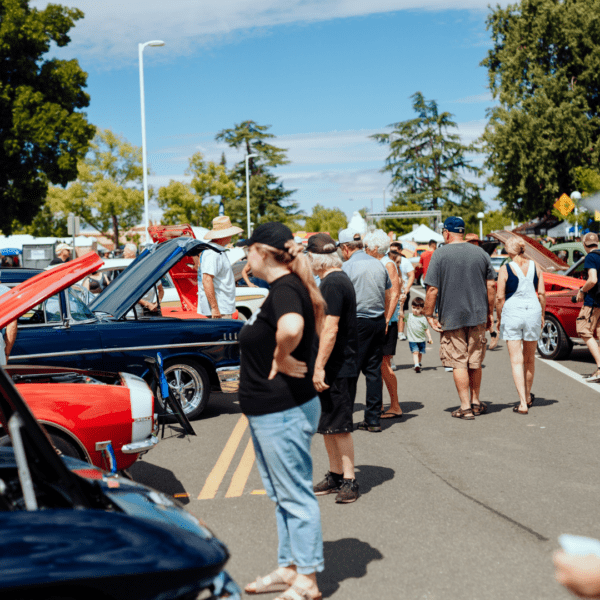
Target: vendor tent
(422,235)
(561,230)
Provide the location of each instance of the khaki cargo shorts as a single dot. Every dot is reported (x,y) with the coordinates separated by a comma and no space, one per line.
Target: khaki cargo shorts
(463,348)
(587,322)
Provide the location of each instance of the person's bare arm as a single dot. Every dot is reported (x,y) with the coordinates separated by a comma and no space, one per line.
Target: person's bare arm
(541,291)
(501,293)
(209,290)
(245,277)
(326,344)
(10,337)
(161,291)
(592,280)
(430,299)
(491,296)
(288,335)
(411,280)
(394,292)
(579,574)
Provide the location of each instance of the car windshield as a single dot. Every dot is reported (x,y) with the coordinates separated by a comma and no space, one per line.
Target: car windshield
(78,309)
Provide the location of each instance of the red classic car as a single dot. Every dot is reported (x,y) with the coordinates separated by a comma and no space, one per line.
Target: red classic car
(105,419)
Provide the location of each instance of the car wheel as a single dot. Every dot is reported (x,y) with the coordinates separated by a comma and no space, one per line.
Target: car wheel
(244,314)
(60,442)
(189,383)
(554,343)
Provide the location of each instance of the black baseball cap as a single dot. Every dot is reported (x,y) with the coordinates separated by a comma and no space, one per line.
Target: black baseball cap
(272,234)
(321,243)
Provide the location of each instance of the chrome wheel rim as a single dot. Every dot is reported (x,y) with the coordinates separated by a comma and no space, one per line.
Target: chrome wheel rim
(549,339)
(185,384)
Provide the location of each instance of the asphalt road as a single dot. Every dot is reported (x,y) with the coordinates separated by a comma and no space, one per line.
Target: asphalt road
(450,509)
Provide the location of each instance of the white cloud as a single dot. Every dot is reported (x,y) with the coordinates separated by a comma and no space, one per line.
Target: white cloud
(111,29)
(326,167)
(487,97)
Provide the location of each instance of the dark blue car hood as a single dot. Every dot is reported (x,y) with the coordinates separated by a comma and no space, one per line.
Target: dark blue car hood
(144,272)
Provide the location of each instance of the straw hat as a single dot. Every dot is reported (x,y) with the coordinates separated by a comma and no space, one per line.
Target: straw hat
(222,228)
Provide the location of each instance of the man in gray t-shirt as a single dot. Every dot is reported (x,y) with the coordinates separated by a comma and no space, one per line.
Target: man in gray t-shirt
(461,280)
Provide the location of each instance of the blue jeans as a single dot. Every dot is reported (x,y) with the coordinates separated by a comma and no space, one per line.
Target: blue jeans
(282,447)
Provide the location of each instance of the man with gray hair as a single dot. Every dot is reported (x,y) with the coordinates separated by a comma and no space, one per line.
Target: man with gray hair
(372,285)
(378,245)
(336,372)
(129,251)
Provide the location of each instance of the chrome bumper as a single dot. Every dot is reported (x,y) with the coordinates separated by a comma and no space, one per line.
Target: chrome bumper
(143,446)
(229,378)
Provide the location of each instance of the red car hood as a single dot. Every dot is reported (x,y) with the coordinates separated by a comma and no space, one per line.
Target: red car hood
(30,293)
(569,283)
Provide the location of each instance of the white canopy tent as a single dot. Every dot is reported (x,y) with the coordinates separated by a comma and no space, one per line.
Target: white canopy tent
(422,235)
(561,230)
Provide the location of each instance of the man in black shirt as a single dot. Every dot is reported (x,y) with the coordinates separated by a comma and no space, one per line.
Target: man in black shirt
(336,371)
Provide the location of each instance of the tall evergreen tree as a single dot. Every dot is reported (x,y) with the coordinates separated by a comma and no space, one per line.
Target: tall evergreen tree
(427,160)
(543,71)
(269,201)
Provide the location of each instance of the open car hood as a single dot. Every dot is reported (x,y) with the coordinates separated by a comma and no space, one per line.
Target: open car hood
(183,274)
(546,260)
(122,293)
(30,293)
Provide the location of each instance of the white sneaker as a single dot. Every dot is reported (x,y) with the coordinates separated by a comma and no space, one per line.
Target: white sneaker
(401,336)
(448,369)
(418,368)
(392,364)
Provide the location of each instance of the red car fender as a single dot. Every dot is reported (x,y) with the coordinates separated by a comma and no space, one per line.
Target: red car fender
(99,414)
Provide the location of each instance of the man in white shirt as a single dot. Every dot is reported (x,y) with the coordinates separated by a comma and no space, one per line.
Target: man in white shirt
(8,336)
(407,272)
(216,282)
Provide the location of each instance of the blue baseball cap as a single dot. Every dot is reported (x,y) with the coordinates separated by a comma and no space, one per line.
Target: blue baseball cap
(454,225)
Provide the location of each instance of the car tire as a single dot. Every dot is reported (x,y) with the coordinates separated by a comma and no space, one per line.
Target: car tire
(554,343)
(244,314)
(60,442)
(189,382)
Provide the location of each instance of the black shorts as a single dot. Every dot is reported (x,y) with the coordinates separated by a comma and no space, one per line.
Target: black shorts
(337,404)
(406,305)
(391,339)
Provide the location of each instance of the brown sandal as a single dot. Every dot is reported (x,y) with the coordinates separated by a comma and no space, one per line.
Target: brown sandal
(521,412)
(268,584)
(297,593)
(479,409)
(466,414)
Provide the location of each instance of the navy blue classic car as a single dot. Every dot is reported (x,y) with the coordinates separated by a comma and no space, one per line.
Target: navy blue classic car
(70,531)
(108,335)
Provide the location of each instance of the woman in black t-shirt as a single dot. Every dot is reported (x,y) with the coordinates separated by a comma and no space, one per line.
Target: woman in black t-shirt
(283,410)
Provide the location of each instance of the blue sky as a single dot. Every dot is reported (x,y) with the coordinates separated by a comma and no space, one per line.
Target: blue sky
(324,74)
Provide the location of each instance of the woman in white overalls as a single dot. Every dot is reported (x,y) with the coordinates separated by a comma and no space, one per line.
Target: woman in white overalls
(520,304)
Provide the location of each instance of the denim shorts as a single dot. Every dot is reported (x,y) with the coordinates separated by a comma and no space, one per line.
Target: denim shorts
(417,347)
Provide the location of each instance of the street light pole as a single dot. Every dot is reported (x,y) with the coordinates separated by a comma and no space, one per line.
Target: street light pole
(249,156)
(480,216)
(144,156)
(576,197)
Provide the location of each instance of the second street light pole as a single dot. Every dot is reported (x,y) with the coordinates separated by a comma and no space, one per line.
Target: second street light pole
(248,191)
(144,158)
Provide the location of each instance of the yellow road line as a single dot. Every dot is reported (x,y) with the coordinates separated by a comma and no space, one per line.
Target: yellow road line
(258,492)
(211,486)
(238,481)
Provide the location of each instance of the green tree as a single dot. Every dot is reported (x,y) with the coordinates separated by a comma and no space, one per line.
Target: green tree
(42,135)
(326,219)
(47,223)
(269,201)
(427,161)
(104,195)
(402,226)
(496,220)
(196,203)
(543,71)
